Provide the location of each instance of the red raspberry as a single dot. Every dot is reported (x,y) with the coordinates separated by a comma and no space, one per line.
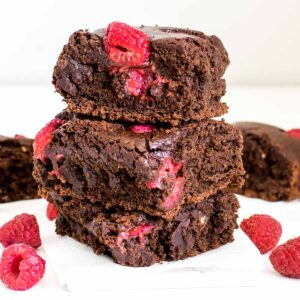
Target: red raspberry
(173,197)
(51,212)
(21,267)
(136,232)
(134,84)
(138,82)
(286,258)
(263,230)
(142,128)
(167,172)
(125,45)
(21,229)
(44,137)
(294,133)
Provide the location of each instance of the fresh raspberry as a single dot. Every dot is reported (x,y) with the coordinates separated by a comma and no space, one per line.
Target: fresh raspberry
(263,230)
(294,133)
(136,232)
(21,267)
(21,229)
(125,45)
(44,137)
(173,197)
(51,212)
(142,128)
(286,258)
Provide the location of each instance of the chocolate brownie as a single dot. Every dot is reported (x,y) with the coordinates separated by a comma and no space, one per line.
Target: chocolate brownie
(272,162)
(16,181)
(140,167)
(136,239)
(154,74)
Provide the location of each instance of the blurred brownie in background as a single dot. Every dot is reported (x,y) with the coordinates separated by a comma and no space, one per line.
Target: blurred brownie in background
(271,158)
(16,181)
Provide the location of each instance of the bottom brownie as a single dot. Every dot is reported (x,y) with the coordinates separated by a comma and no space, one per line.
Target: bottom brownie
(136,239)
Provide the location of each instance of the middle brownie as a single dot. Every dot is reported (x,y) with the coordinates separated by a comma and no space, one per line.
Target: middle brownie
(140,167)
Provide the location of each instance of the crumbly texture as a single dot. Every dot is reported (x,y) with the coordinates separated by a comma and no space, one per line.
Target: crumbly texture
(16,181)
(186,65)
(155,172)
(136,239)
(272,162)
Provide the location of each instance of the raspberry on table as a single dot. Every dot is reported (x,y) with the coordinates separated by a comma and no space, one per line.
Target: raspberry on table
(294,133)
(125,45)
(286,258)
(21,267)
(44,137)
(263,230)
(51,212)
(21,229)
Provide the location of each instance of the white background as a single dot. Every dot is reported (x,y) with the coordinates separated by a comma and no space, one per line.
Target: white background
(261,36)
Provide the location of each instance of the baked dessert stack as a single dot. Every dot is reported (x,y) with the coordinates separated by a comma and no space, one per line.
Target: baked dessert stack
(136,167)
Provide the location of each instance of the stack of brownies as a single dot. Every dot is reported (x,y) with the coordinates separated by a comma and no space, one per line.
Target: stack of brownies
(135,166)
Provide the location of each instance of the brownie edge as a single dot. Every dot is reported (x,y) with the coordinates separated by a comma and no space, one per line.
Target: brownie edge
(136,239)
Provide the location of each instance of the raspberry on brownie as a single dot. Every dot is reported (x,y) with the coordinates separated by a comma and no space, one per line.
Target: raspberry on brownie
(153,169)
(145,74)
(271,160)
(16,181)
(137,239)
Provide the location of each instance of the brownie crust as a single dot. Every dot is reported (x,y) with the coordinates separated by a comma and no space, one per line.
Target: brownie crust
(272,162)
(107,163)
(16,181)
(136,239)
(190,64)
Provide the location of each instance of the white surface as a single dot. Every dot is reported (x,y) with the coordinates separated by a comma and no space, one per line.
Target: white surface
(26,109)
(228,266)
(261,36)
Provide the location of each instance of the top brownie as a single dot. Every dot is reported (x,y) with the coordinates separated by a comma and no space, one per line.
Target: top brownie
(146,74)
